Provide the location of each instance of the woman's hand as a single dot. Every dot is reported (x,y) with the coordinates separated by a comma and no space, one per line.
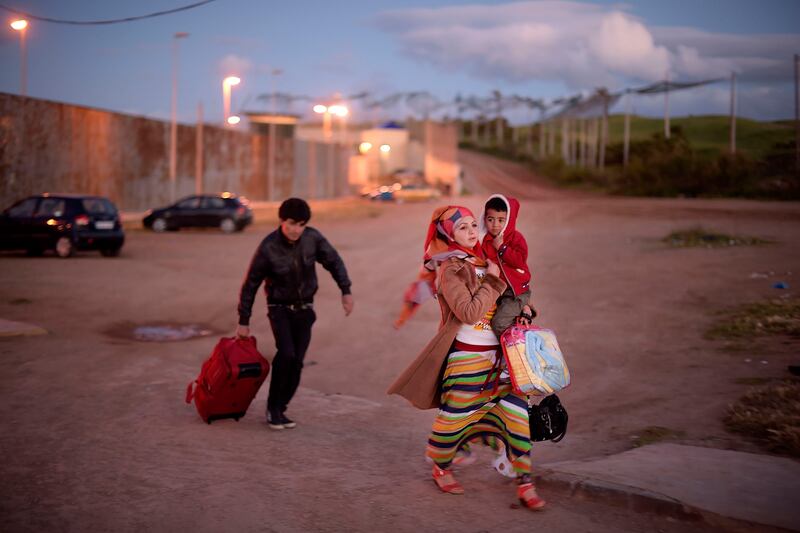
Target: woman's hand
(493,269)
(526,316)
(242,332)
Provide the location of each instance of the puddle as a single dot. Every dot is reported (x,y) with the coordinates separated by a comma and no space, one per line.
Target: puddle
(159,332)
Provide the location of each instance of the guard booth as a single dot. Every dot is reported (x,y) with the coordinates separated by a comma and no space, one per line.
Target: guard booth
(279,129)
(264,123)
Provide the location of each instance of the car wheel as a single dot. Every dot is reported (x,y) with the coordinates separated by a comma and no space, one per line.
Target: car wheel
(227,225)
(159,225)
(110,252)
(64,247)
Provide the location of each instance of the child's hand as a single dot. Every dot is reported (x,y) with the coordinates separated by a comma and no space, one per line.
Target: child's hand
(498,241)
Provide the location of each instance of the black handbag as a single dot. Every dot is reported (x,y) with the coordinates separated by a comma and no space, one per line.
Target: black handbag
(548,420)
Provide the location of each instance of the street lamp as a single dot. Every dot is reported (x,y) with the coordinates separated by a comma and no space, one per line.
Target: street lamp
(173,129)
(21,25)
(227,83)
(339,110)
(326,120)
(234,120)
(384,158)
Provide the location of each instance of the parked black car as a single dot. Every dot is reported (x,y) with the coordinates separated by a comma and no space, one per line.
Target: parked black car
(225,211)
(64,223)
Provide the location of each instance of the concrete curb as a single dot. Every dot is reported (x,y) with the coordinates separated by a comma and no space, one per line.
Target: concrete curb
(632,498)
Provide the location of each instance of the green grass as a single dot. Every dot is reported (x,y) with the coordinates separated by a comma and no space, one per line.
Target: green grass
(698,237)
(770,415)
(777,317)
(709,133)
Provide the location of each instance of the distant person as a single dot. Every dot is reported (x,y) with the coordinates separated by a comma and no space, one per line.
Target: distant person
(285,260)
(457,371)
(504,245)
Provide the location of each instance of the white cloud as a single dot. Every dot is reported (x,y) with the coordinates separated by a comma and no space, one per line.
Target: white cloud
(583,45)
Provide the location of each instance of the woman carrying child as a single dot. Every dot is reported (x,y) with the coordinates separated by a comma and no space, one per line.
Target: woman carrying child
(457,372)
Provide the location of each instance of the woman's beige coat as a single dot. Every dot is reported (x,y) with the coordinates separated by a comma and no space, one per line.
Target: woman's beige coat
(463,299)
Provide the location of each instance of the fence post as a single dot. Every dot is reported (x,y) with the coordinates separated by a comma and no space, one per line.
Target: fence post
(733,113)
(604,133)
(666,107)
(627,131)
(797,112)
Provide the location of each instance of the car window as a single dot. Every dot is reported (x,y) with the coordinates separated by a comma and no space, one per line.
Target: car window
(212,202)
(51,207)
(189,203)
(23,209)
(99,206)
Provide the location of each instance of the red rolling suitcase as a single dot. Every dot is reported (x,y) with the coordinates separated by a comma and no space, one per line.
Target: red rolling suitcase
(228,380)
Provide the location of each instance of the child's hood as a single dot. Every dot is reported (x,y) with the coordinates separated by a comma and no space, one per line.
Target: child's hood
(512,206)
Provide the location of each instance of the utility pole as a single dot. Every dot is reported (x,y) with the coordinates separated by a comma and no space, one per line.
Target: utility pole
(797,113)
(666,107)
(604,129)
(582,142)
(733,113)
(173,129)
(627,132)
(198,151)
(542,138)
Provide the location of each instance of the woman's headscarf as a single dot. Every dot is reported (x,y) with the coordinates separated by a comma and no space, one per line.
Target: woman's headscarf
(440,245)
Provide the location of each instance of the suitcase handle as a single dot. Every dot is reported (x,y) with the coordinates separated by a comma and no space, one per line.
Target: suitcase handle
(190,391)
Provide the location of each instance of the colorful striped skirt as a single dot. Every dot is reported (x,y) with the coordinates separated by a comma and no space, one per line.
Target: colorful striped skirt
(473,408)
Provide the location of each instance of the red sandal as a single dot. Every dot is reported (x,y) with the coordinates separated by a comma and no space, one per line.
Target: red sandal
(446,482)
(527,495)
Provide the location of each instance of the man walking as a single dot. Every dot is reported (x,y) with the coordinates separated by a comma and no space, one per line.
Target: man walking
(285,261)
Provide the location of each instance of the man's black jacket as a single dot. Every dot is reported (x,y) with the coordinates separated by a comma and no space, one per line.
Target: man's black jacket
(288,270)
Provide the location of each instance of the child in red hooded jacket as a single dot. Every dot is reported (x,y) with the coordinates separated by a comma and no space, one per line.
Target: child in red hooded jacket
(506,246)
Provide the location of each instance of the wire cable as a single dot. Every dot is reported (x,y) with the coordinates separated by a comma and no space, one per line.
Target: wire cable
(110,21)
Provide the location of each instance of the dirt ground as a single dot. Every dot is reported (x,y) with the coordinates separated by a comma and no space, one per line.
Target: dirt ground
(96,436)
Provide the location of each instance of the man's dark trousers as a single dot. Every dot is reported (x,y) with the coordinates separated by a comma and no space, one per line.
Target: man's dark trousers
(292,331)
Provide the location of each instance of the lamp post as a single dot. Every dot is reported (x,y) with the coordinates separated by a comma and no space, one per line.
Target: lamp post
(272,139)
(340,111)
(21,25)
(326,120)
(327,111)
(173,130)
(384,159)
(273,99)
(227,83)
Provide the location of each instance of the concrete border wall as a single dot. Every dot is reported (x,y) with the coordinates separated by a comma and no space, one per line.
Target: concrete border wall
(51,146)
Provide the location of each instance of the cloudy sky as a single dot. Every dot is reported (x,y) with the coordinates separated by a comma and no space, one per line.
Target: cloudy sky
(540,49)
